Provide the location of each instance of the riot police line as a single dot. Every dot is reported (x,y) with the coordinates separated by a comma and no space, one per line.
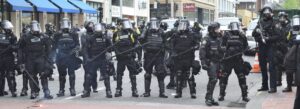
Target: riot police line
(165,53)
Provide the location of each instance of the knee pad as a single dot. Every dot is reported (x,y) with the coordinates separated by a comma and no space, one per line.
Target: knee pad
(241,76)
(132,76)
(147,75)
(11,74)
(214,80)
(44,75)
(179,73)
(71,75)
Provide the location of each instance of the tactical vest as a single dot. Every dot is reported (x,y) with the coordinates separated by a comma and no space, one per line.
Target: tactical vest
(35,46)
(214,49)
(183,42)
(66,42)
(4,42)
(125,41)
(98,44)
(155,41)
(234,45)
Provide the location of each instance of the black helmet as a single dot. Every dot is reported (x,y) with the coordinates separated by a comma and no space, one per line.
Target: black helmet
(89,26)
(213,26)
(7,26)
(35,27)
(176,23)
(164,25)
(99,28)
(49,27)
(234,26)
(196,27)
(154,24)
(283,17)
(183,25)
(296,23)
(267,11)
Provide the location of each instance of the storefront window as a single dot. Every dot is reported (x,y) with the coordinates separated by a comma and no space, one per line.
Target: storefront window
(212,15)
(93,17)
(128,3)
(206,16)
(26,18)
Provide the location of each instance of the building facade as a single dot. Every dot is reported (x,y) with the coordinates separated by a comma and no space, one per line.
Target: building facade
(227,8)
(202,11)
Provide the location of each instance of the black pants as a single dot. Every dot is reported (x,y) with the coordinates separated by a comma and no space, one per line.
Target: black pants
(265,57)
(237,65)
(183,73)
(91,74)
(156,60)
(7,72)
(212,72)
(121,65)
(25,81)
(34,67)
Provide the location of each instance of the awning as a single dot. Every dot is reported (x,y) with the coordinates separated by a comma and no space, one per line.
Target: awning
(44,6)
(65,6)
(20,5)
(83,6)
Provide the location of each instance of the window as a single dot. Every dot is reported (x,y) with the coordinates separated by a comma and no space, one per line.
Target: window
(142,4)
(128,3)
(115,2)
(206,16)
(26,18)
(212,15)
(93,17)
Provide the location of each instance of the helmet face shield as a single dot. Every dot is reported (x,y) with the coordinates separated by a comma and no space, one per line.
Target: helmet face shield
(65,24)
(183,26)
(126,24)
(234,26)
(154,25)
(267,11)
(7,25)
(296,21)
(35,27)
(99,28)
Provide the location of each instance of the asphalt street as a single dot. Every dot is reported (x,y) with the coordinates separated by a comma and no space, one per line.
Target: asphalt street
(98,100)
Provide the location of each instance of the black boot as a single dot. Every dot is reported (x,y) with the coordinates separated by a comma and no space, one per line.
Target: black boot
(72,92)
(211,102)
(13,94)
(119,86)
(34,95)
(161,85)
(222,92)
(178,89)
(62,81)
(107,86)
(51,78)
(118,93)
(133,86)
(287,89)
(245,93)
(172,84)
(147,86)
(192,86)
(85,94)
(47,94)
(23,92)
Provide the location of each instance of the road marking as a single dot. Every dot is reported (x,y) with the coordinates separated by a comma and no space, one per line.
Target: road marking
(78,95)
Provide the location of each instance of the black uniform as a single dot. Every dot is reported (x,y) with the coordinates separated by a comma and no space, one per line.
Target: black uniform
(50,33)
(25,78)
(125,39)
(8,43)
(235,43)
(210,55)
(154,54)
(94,45)
(184,45)
(67,61)
(33,52)
(268,48)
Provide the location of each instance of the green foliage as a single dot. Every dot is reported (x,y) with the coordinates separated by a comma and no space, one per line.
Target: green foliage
(291,4)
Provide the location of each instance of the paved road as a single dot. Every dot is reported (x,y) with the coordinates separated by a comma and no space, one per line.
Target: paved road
(98,100)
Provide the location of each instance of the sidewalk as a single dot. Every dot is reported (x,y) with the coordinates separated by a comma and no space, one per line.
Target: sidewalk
(279,100)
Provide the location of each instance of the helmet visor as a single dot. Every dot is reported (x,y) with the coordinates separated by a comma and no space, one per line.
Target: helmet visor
(183,26)
(99,28)
(7,25)
(126,24)
(296,21)
(154,25)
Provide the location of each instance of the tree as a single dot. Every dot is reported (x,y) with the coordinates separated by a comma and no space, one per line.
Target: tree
(291,4)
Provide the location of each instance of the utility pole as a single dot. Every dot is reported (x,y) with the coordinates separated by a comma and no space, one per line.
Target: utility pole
(121,5)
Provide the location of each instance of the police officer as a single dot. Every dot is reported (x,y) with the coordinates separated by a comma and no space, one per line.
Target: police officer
(96,54)
(8,43)
(154,57)
(184,45)
(25,78)
(197,31)
(67,61)
(125,39)
(235,43)
(170,62)
(210,54)
(50,32)
(34,49)
(285,27)
(267,34)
